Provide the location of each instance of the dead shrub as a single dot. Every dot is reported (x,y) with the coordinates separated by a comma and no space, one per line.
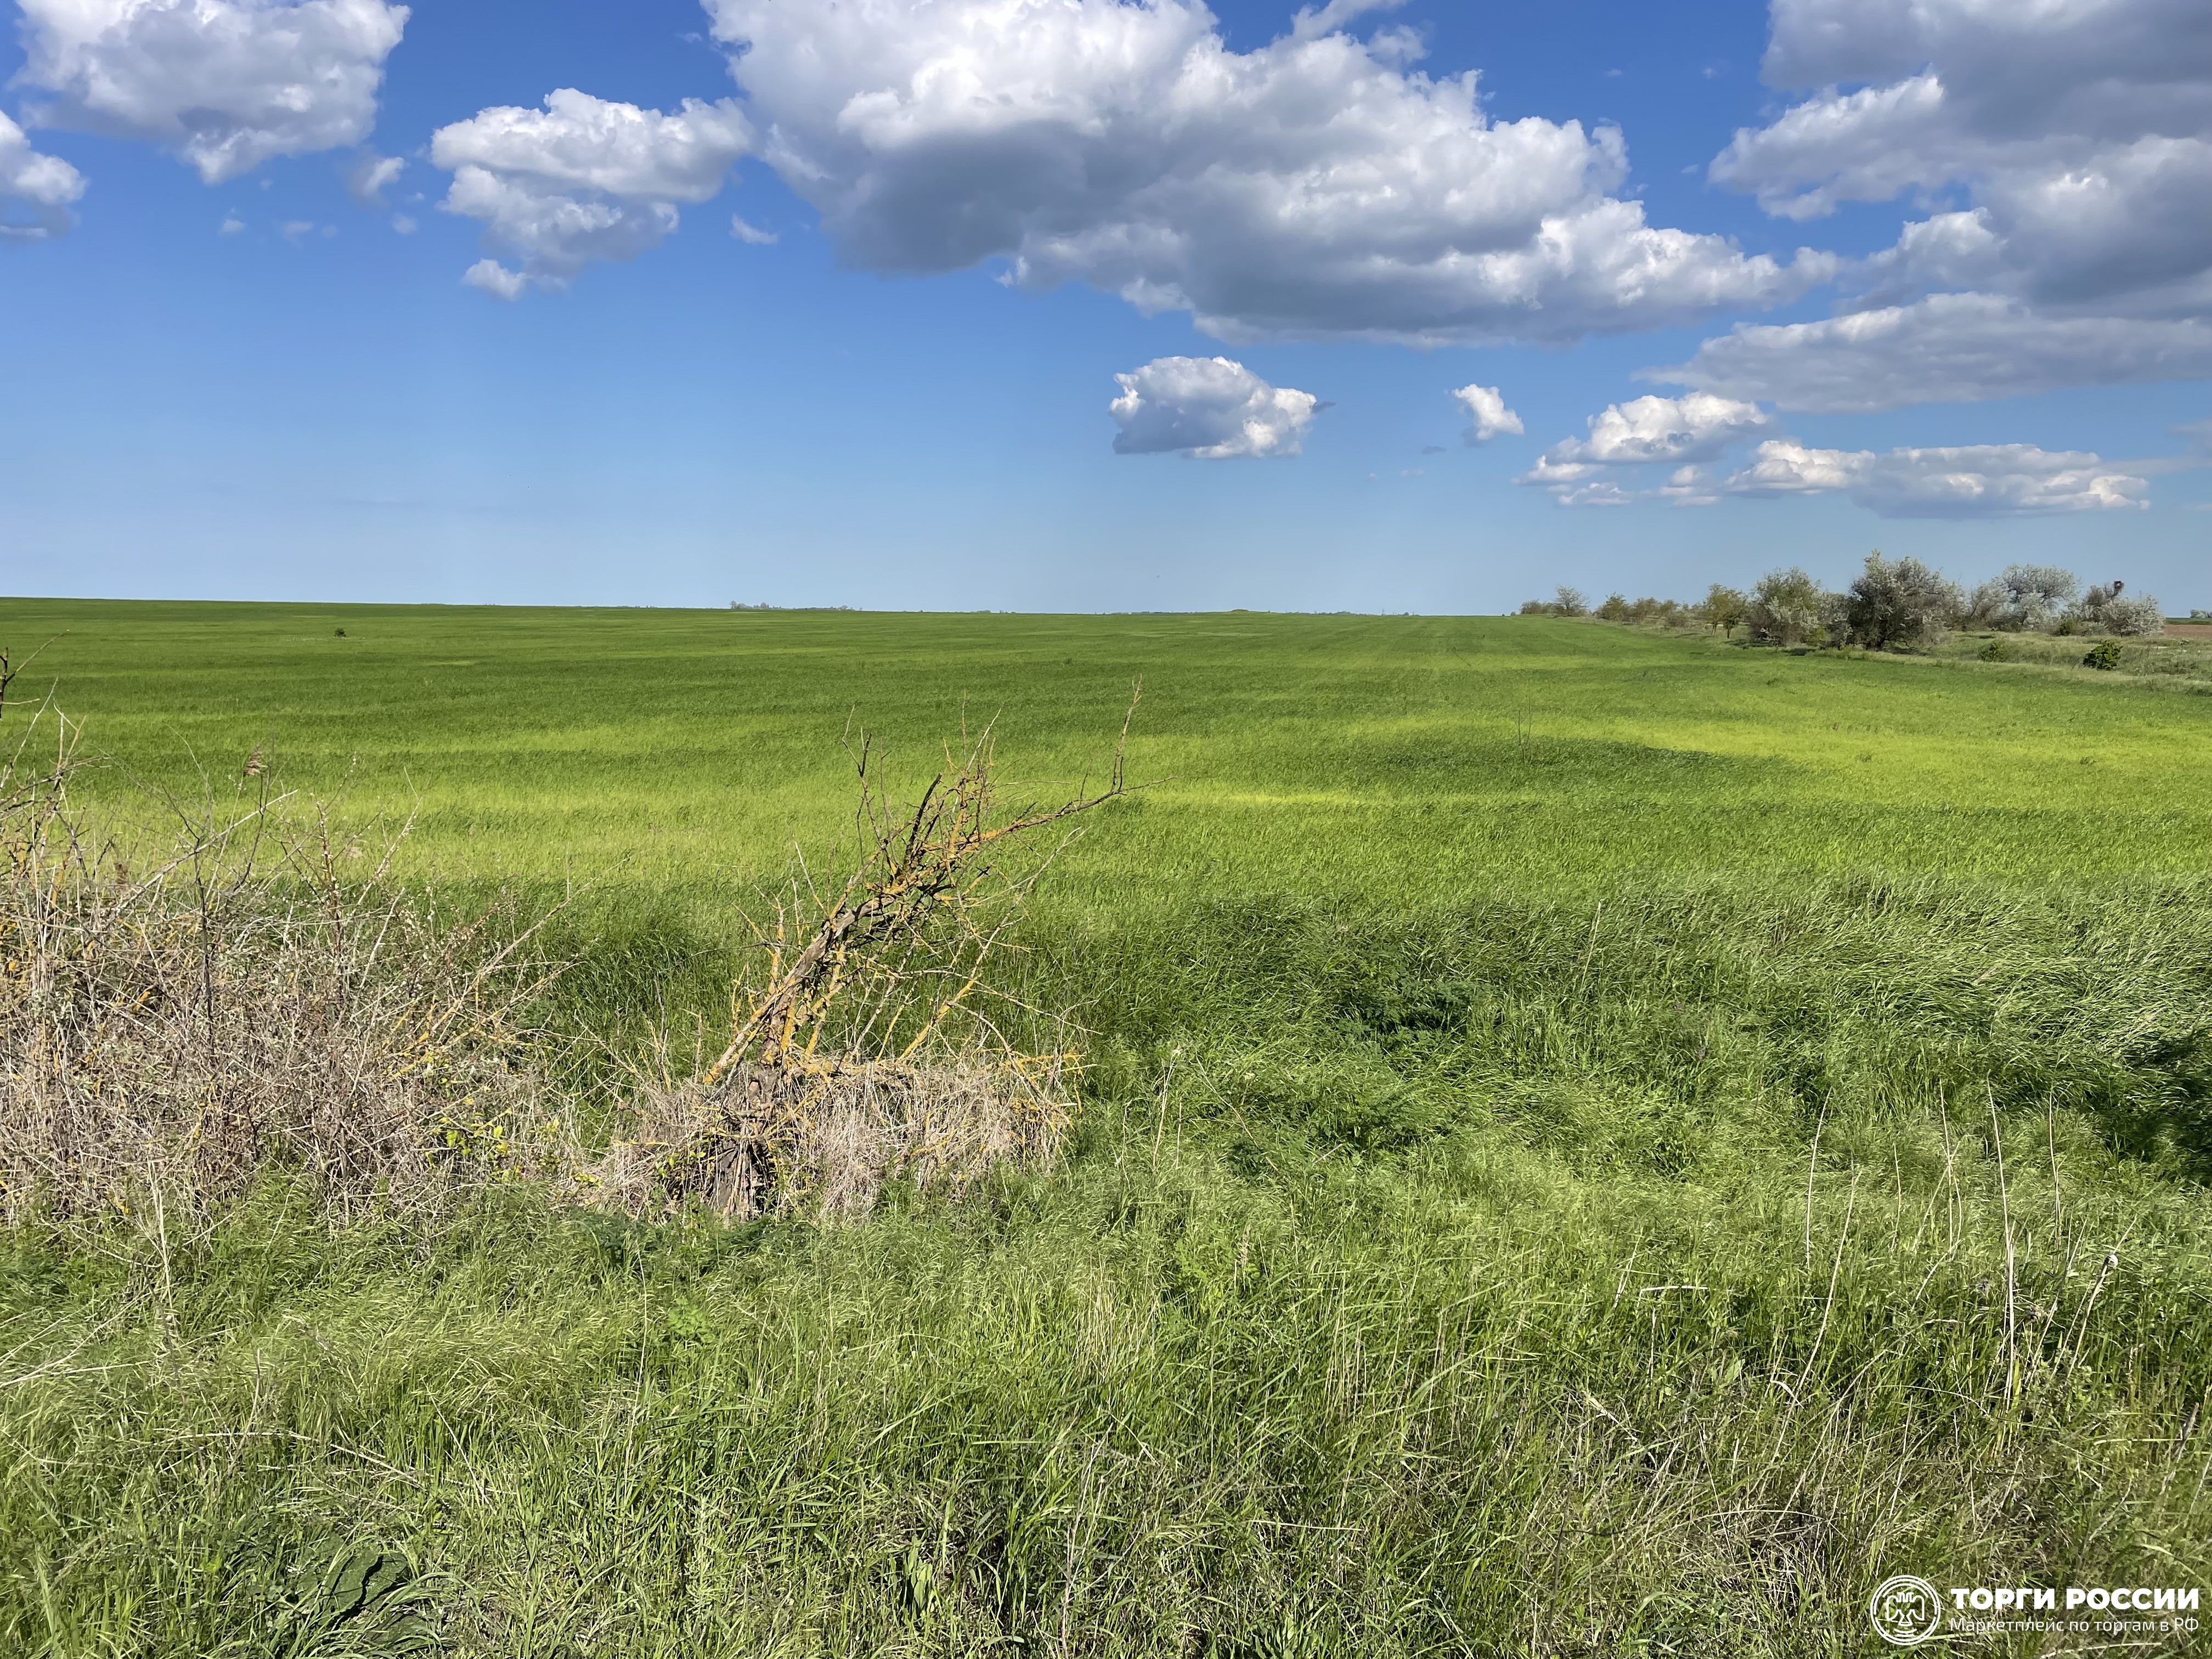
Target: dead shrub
(177,1017)
(876,1048)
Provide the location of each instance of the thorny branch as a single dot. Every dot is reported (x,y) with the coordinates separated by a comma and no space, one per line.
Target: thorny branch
(924,876)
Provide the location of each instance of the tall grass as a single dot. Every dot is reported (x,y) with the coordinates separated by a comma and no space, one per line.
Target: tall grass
(1405,1302)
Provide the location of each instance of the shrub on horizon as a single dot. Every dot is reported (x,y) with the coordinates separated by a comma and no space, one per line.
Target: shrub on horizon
(1568,602)
(1724,608)
(1896,604)
(2104,610)
(1785,607)
(2027,597)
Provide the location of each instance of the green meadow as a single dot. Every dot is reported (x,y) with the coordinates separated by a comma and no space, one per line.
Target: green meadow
(1299,754)
(1592,1142)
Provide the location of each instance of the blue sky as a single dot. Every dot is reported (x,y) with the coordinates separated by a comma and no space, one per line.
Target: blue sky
(873,410)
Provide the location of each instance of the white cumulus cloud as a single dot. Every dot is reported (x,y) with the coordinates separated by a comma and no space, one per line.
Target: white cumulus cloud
(1973,482)
(496,279)
(1208,409)
(1486,414)
(1951,89)
(1689,432)
(1947,347)
(35,189)
(581,179)
(1312,187)
(227,84)
(2079,133)
(1696,428)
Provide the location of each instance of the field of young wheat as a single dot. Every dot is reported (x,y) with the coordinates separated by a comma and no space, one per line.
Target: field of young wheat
(1588,1142)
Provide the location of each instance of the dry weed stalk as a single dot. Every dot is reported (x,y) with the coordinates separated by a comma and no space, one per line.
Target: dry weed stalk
(255,993)
(875,1050)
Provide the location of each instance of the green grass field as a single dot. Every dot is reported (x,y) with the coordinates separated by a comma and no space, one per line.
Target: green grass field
(1595,1142)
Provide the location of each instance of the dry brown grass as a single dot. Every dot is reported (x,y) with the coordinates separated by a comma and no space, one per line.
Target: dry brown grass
(820,1139)
(177,1017)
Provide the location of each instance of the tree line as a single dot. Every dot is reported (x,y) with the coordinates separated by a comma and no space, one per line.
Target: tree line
(1894,605)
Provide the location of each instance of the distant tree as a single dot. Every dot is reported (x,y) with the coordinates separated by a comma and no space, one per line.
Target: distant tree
(1785,607)
(1537,608)
(1986,607)
(1835,627)
(1725,608)
(1615,608)
(1570,602)
(2035,595)
(2104,609)
(2136,615)
(1895,604)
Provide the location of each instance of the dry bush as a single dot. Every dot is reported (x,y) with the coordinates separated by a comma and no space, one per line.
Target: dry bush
(177,1017)
(875,1050)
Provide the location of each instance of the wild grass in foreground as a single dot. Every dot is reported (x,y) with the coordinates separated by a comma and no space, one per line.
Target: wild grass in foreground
(1482,1281)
